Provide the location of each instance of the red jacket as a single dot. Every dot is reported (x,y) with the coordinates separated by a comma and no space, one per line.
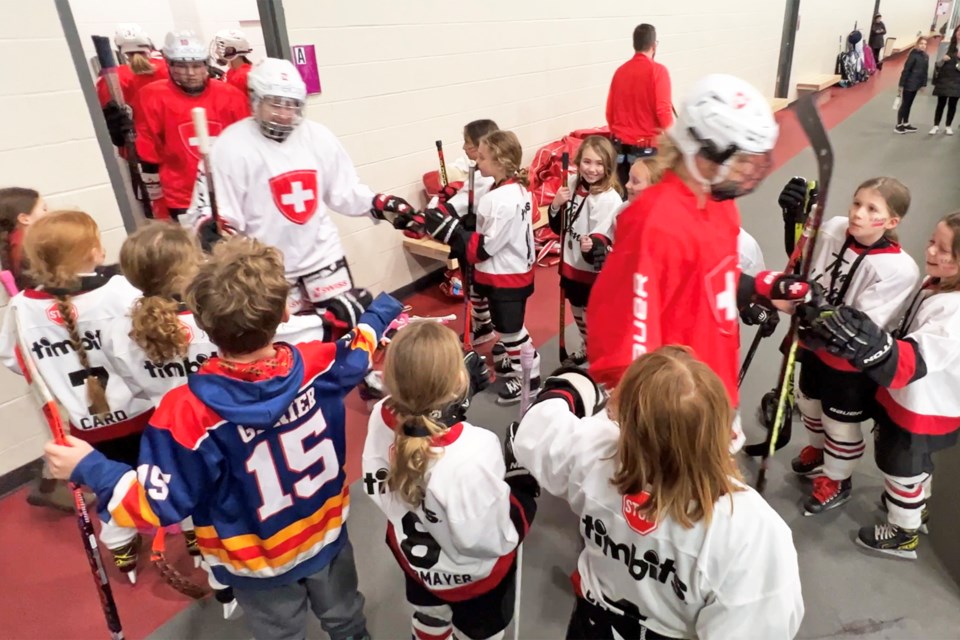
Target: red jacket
(238,77)
(639,104)
(671,279)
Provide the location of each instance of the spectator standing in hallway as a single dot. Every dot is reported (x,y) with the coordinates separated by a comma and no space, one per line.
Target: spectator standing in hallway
(639,105)
(877,32)
(912,79)
(946,86)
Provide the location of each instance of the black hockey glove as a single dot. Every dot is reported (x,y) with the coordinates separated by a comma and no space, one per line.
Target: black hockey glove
(208,234)
(517,476)
(851,334)
(597,254)
(347,308)
(575,387)
(477,371)
(792,199)
(119,123)
(386,207)
(440,225)
(758,315)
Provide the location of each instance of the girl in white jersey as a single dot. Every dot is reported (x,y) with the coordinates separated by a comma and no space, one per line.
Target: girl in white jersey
(64,320)
(594,196)
(453,522)
(917,367)
(858,263)
(676,546)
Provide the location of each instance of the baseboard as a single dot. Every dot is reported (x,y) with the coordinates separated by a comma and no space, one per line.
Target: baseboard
(423,282)
(13,480)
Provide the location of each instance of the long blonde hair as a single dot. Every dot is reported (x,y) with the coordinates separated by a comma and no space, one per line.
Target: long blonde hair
(58,247)
(159,259)
(505,150)
(675,430)
(424,374)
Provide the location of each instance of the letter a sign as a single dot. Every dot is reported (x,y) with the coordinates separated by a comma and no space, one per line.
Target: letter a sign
(305,60)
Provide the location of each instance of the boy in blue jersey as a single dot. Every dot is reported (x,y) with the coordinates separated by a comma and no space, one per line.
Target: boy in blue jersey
(253,448)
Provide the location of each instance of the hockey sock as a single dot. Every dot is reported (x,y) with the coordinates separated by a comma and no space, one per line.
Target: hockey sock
(905,500)
(580,317)
(514,343)
(432,623)
(928,486)
(844,447)
(114,537)
(480,309)
(812,413)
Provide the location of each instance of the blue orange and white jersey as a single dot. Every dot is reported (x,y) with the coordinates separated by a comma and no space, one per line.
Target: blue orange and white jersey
(254,452)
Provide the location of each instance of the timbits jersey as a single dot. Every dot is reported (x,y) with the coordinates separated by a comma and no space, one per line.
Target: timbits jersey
(460,541)
(257,461)
(671,279)
(736,577)
(590,214)
(929,405)
(151,380)
(131,83)
(501,251)
(279,192)
(877,280)
(165,133)
(53,352)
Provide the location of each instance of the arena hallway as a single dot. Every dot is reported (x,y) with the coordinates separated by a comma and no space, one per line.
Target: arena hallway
(848,593)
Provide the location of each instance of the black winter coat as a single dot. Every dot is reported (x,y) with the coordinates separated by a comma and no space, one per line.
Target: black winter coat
(946,77)
(914,75)
(877,31)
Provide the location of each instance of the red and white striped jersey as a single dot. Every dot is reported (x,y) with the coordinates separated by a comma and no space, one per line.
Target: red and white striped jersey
(505,221)
(460,542)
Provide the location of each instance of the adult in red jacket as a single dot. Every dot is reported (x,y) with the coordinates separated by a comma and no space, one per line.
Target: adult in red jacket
(674,276)
(166,141)
(639,104)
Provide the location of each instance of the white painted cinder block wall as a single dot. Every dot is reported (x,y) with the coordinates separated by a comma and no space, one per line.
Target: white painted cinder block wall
(906,18)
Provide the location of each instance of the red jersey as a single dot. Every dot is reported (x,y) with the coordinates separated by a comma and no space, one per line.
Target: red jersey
(238,77)
(165,132)
(639,104)
(131,83)
(671,279)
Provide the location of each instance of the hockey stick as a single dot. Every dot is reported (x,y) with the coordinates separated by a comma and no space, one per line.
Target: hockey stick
(565,163)
(443,164)
(464,267)
(202,132)
(108,71)
(50,412)
(812,126)
(749,359)
(527,356)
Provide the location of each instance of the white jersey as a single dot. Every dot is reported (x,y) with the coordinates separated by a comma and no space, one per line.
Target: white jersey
(737,577)
(751,257)
(150,380)
(591,214)
(930,405)
(59,365)
(460,542)
(481,186)
(279,192)
(505,223)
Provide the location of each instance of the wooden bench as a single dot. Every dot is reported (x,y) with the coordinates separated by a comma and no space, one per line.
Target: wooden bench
(778,104)
(817,83)
(430,248)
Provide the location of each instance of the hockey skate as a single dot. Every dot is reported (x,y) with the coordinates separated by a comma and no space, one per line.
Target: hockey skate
(126,557)
(481,333)
(891,539)
(924,513)
(501,361)
(827,494)
(809,463)
(190,539)
(512,390)
(231,609)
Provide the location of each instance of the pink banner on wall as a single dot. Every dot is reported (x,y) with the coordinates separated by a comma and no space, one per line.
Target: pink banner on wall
(305,59)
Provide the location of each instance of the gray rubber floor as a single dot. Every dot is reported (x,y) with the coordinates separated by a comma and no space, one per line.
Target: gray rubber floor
(848,592)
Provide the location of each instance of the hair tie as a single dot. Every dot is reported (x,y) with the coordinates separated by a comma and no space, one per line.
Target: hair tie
(415,430)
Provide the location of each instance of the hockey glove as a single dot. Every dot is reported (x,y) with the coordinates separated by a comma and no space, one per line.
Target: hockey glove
(386,207)
(774,285)
(119,123)
(759,315)
(477,371)
(344,311)
(792,199)
(851,334)
(597,255)
(448,191)
(575,387)
(208,234)
(440,225)
(150,174)
(517,476)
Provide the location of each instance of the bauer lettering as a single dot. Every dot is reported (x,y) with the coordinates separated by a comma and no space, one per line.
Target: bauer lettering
(639,314)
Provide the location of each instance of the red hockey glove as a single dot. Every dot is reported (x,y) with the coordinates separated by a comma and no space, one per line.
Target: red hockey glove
(386,207)
(448,191)
(774,285)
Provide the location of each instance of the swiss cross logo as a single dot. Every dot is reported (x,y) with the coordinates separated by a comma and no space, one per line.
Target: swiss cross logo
(632,504)
(739,100)
(53,313)
(189,137)
(295,194)
(721,289)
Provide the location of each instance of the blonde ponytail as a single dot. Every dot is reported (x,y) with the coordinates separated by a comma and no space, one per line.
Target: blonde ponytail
(140,64)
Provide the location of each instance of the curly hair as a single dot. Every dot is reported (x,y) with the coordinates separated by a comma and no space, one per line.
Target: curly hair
(506,151)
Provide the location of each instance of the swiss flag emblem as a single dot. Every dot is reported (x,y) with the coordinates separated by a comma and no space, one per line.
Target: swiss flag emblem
(631,513)
(721,288)
(53,313)
(295,194)
(189,137)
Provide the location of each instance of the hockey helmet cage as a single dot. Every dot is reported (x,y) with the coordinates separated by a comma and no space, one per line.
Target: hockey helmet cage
(131,38)
(184,46)
(277,94)
(228,44)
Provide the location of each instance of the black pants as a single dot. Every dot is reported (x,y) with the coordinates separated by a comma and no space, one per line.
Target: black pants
(590,622)
(903,115)
(876,56)
(951,105)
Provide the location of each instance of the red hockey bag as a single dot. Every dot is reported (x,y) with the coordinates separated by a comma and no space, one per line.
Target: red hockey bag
(547,165)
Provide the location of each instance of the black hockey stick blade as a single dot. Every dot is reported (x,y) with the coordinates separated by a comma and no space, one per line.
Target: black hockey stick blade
(813,128)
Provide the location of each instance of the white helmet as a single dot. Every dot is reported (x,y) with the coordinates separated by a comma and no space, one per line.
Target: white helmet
(131,38)
(184,46)
(227,44)
(728,122)
(277,85)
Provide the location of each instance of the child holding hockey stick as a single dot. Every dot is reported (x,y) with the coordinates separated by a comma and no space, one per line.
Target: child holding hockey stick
(253,447)
(453,522)
(676,546)
(594,197)
(500,251)
(857,263)
(917,368)
(64,318)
